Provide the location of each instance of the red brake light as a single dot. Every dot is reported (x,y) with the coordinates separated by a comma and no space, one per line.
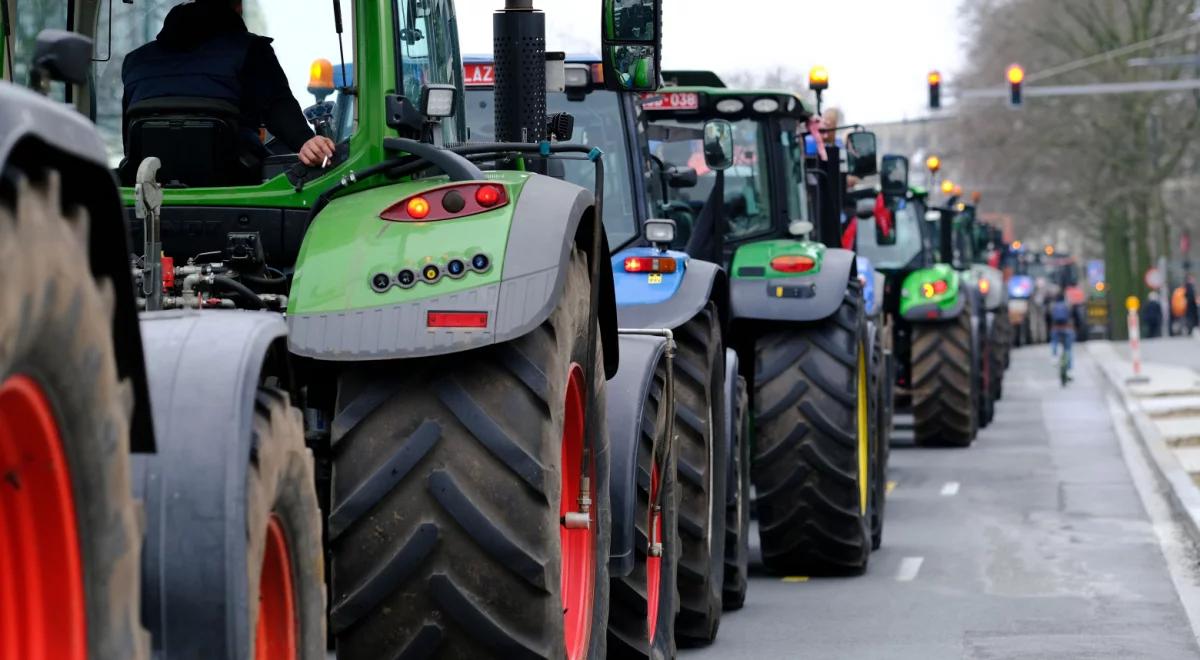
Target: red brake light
(417,207)
(456,319)
(487,195)
(650,265)
(793,264)
(457,200)
(940,286)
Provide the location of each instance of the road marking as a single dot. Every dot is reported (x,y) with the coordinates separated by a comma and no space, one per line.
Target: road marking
(909,567)
(891,485)
(796,578)
(950,489)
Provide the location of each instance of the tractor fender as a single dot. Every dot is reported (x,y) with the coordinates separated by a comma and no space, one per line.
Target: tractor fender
(551,217)
(204,369)
(702,281)
(808,298)
(627,392)
(37,134)
(731,395)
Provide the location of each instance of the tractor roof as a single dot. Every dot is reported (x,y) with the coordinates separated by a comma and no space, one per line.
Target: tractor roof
(706,102)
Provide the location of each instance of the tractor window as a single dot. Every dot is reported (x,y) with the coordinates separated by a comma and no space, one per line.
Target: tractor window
(598,123)
(427,45)
(298,39)
(793,157)
(747,206)
(33,16)
(909,233)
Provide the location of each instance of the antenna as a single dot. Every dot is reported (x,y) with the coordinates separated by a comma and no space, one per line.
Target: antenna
(337,26)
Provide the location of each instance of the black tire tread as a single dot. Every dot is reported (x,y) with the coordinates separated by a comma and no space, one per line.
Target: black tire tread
(445,523)
(944,412)
(805,466)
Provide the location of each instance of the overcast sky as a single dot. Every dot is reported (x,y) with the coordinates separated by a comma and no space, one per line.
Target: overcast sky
(878,52)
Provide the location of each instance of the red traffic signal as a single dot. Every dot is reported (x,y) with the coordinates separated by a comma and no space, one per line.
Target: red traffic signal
(935,90)
(1015,75)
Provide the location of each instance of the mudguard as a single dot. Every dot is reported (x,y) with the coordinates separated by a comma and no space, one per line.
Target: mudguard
(805,298)
(731,395)
(947,304)
(627,392)
(702,281)
(345,320)
(37,133)
(204,370)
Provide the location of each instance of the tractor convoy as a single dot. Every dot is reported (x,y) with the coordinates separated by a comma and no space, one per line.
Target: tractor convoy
(506,375)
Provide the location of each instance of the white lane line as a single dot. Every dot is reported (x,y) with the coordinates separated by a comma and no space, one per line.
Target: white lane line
(909,567)
(950,489)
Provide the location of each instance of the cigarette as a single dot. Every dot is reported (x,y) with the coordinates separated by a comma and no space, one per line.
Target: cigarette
(325,162)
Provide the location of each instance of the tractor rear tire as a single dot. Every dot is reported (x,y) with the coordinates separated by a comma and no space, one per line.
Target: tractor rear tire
(629,611)
(447,505)
(811,469)
(737,512)
(62,404)
(700,424)
(986,387)
(284,551)
(943,384)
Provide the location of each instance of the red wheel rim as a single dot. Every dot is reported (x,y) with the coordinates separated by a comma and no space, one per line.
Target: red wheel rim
(42,606)
(276,636)
(653,564)
(578,544)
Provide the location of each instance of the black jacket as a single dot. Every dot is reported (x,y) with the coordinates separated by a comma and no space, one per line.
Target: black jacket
(204,50)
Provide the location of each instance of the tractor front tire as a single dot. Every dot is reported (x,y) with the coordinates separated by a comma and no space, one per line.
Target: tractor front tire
(451,478)
(943,383)
(69,532)
(811,467)
(630,634)
(881,425)
(700,424)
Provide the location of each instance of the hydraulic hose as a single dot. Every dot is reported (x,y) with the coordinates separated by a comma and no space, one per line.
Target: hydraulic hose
(250,301)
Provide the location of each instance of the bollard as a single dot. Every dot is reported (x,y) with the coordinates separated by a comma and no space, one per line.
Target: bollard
(1135,340)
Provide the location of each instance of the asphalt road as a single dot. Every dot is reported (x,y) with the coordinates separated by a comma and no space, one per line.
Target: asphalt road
(1033,543)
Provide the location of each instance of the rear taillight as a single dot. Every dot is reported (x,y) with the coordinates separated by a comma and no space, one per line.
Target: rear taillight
(650,265)
(793,264)
(459,200)
(456,319)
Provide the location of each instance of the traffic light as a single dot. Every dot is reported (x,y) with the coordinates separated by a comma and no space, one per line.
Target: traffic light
(1016,75)
(935,90)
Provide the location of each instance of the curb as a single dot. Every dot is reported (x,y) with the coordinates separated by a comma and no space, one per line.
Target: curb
(1181,491)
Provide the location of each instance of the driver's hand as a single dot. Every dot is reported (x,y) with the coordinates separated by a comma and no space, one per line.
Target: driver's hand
(315,151)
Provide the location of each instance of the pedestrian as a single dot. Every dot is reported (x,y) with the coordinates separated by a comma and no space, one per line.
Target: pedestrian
(1152,316)
(205,51)
(1062,329)
(1193,312)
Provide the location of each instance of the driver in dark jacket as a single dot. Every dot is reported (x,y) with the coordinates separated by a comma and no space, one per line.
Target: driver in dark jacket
(205,51)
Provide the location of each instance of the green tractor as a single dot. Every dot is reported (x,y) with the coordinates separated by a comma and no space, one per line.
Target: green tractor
(935,305)
(806,346)
(427,418)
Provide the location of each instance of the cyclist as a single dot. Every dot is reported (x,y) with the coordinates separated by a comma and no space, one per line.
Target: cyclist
(1062,329)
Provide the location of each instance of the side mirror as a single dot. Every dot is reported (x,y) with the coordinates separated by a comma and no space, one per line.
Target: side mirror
(893,176)
(61,56)
(631,44)
(718,144)
(860,154)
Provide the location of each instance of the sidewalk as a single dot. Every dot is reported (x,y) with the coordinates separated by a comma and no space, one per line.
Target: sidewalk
(1165,412)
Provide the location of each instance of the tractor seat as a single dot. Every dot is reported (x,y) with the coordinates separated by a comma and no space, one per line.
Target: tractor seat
(199,142)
